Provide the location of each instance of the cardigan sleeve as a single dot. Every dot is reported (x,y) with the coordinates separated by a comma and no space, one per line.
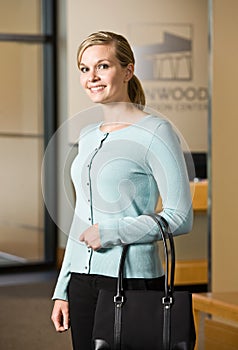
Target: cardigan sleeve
(166,164)
(60,291)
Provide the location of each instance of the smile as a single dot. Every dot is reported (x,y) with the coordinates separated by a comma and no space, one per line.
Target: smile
(98,88)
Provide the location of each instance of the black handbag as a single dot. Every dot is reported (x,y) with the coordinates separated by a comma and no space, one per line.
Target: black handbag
(145,319)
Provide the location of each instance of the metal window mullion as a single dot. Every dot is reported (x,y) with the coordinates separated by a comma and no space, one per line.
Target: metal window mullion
(50,122)
(25,38)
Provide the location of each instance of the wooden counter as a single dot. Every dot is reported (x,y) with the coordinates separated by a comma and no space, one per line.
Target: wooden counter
(222,305)
(199,192)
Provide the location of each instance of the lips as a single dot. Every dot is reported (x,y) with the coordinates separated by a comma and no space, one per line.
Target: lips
(98,88)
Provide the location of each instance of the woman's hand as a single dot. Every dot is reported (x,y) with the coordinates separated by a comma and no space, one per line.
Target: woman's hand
(91,237)
(60,315)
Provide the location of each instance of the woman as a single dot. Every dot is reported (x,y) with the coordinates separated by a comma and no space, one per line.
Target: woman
(124,164)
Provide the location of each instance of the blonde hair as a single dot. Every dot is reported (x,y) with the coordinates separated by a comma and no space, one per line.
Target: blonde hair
(124,54)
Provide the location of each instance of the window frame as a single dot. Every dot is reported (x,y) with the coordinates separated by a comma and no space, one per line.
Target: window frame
(48,40)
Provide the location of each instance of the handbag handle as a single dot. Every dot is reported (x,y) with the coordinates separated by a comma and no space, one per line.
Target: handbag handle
(165,234)
(167,300)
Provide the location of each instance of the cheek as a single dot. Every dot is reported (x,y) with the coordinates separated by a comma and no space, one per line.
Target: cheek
(83,80)
(115,80)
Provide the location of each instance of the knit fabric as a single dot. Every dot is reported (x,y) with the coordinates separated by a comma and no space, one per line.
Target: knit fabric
(118,178)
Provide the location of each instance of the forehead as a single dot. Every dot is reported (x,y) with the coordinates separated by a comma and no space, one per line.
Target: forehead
(96,53)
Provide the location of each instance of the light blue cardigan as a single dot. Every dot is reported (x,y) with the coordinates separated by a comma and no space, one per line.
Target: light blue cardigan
(118,178)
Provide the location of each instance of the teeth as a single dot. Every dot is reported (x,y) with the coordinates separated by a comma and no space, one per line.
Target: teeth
(97,88)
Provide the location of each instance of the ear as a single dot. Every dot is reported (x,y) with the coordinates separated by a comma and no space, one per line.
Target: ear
(129,72)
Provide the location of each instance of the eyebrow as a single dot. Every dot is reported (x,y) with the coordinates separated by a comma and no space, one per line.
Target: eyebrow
(99,61)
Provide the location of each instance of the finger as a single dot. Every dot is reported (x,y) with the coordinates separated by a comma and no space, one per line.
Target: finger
(57,323)
(81,238)
(61,329)
(66,321)
(96,246)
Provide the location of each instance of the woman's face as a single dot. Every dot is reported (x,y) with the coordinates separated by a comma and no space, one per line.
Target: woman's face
(102,76)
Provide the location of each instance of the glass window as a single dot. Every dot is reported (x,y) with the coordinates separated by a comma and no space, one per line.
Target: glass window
(27,235)
(21,205)
(21,70)
(20,16)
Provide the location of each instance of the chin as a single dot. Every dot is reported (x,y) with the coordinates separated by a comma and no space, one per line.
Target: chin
(96,99)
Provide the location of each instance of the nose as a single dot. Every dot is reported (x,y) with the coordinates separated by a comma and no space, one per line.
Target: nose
(93,76)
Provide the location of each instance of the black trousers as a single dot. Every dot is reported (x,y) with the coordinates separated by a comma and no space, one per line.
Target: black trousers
(83,292)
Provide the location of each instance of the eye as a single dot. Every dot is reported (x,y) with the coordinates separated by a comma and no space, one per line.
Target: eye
(83,69)
(103,66)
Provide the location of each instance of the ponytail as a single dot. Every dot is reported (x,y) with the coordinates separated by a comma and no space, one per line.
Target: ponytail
(136,92)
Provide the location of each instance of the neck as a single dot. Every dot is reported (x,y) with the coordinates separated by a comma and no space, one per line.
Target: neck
(120,115)
(121,112)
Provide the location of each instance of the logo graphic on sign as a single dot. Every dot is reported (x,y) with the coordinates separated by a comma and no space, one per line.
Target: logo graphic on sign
(169,60)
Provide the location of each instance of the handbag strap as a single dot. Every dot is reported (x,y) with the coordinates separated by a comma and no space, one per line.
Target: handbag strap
(167,300)
(165,234)
(118,301)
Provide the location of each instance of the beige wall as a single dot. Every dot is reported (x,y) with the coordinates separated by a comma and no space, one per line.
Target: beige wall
(225,146)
